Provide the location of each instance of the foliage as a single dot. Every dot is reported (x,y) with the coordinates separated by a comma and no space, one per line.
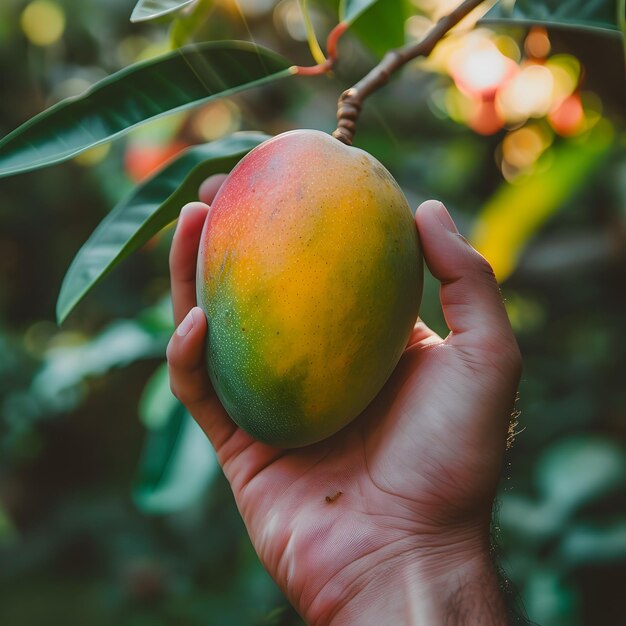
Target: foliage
(597,14)
(151,206)
(111,504)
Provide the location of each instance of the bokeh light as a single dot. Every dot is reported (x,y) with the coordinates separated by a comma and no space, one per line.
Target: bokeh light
(216,120)
(288,17)
(529,94)
(483,70)
(537,44)
(94,155)
(43,22)
(522,147)
(416,26)
(486,120)
(565,70)
(568,118)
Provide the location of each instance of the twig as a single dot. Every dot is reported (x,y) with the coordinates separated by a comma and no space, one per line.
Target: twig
(331,51)
(311,37)
(351,100)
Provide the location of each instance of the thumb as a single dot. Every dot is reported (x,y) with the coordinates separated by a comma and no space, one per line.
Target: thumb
(470,297)
(189,380)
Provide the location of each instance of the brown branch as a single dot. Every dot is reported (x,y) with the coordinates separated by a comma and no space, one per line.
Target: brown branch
(351,100)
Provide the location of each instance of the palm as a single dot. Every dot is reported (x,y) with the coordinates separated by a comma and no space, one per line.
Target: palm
(314,514)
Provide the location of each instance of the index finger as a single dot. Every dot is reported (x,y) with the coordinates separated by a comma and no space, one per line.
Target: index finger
(209,188)
(184,256)
(184,252)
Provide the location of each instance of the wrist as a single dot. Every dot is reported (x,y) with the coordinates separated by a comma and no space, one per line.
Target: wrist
(450,580)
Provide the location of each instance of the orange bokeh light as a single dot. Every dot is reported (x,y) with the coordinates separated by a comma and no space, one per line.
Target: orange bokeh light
(568,118)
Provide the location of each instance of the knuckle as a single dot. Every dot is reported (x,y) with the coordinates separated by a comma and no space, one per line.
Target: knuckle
(483,267)
(509,358)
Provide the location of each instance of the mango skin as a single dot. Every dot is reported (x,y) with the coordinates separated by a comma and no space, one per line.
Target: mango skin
(310,275)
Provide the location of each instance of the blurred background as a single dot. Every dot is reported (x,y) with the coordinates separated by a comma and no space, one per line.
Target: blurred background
(112,508)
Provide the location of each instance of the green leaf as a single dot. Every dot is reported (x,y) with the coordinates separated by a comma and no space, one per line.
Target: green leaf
(598,544)
(67,367)
(549,597)
(150,9)
(576,470)
(598,15)
(157,403)
(178,462)
(381,26)
(350,10)
(188,24)
(149,207)
(178,80)
(527,520)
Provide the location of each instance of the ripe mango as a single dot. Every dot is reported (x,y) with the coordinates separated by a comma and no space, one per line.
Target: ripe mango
(310,274)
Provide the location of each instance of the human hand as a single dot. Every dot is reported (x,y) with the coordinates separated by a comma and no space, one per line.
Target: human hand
(388,520)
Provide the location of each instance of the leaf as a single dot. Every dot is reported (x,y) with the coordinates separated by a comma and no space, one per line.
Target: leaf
(178,462)
(549,597)
(381,26)
(188,24)
(150,9)
(157,403)
(149,207)
(66,367)
(598,15)
(529,521)
(178,80)
(350,10)
(516,212)
(598,544)
(576,470)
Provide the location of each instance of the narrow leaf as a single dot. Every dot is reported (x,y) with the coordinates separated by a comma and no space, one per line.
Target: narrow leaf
(177,462)
(350,10)
(149,207)
(183,466)
(150,9)
(598,15)
(516,212)
(381,26)
(178,80)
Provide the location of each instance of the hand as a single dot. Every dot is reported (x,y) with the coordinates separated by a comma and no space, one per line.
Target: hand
(386,522)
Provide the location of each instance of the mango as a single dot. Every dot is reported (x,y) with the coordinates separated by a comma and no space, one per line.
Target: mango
(310,275)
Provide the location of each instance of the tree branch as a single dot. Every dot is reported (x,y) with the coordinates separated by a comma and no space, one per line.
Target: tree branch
(351,100)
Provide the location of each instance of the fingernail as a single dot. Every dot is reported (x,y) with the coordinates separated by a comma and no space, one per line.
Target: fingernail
(186,325)
(444,218)
(184,210)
